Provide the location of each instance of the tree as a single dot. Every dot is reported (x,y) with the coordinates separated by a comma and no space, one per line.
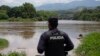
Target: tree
(44,15)
(3,15)
(28,10)
(88,14)
(4,7)
(15,12)
(98,7)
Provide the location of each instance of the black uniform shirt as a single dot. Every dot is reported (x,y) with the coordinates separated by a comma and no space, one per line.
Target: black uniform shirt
(54,43)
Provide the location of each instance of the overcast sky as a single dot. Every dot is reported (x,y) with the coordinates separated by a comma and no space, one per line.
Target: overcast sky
(35,2)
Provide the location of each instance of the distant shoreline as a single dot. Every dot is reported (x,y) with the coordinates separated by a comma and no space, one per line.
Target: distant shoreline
(44,23)
(61,22)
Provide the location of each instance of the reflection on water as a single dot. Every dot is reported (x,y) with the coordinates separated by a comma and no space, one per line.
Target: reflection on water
(24,29)
(25,36)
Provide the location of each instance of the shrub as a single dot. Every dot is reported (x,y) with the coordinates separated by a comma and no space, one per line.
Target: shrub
(3,43)
(3,16)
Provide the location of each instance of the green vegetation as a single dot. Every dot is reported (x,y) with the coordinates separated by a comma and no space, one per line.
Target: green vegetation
(88,14)
(3,15)
(65,14)
(24,12)
(3,43)
(14,54)
(27,11)
(90,45)
(44,15)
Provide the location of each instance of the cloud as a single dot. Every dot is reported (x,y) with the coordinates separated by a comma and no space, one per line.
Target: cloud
(35,2)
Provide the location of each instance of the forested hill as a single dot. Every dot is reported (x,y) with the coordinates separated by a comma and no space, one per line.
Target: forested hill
(71,5)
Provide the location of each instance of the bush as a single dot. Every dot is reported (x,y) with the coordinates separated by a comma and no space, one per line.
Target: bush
(3,16)
(90,45)
(3,43)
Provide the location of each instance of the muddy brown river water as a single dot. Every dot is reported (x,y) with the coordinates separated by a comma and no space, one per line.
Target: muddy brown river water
(24,37)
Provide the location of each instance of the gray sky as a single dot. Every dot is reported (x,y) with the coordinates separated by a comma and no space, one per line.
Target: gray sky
(35,2)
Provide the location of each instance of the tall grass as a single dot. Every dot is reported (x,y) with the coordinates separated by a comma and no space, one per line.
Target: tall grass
(14,54)
(90,45)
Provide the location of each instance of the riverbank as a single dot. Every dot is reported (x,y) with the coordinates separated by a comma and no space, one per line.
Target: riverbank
(44,23)
(60,21)
(90,45)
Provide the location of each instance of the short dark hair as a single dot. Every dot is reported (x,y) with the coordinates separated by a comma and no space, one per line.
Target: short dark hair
(53,22)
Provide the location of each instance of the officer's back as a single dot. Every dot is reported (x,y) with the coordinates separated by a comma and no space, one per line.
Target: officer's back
(54,42)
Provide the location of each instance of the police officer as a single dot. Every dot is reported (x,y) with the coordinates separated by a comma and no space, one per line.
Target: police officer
(54,42)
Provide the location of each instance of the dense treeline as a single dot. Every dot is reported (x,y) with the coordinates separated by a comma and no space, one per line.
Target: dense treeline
(24,12)
(65,14)
(88,14)
(27,12)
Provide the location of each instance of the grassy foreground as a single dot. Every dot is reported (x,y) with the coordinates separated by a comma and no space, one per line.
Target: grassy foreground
(3,43)
(14,54)
(90,45)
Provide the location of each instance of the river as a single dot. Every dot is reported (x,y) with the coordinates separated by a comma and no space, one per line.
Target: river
(24,37)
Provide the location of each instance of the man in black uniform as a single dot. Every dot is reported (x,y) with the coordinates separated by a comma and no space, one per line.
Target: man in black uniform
(54,42)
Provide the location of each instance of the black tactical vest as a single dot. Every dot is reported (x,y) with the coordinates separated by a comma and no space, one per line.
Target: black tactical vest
(55,44)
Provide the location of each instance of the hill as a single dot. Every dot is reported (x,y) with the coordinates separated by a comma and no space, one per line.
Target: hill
(71,5)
